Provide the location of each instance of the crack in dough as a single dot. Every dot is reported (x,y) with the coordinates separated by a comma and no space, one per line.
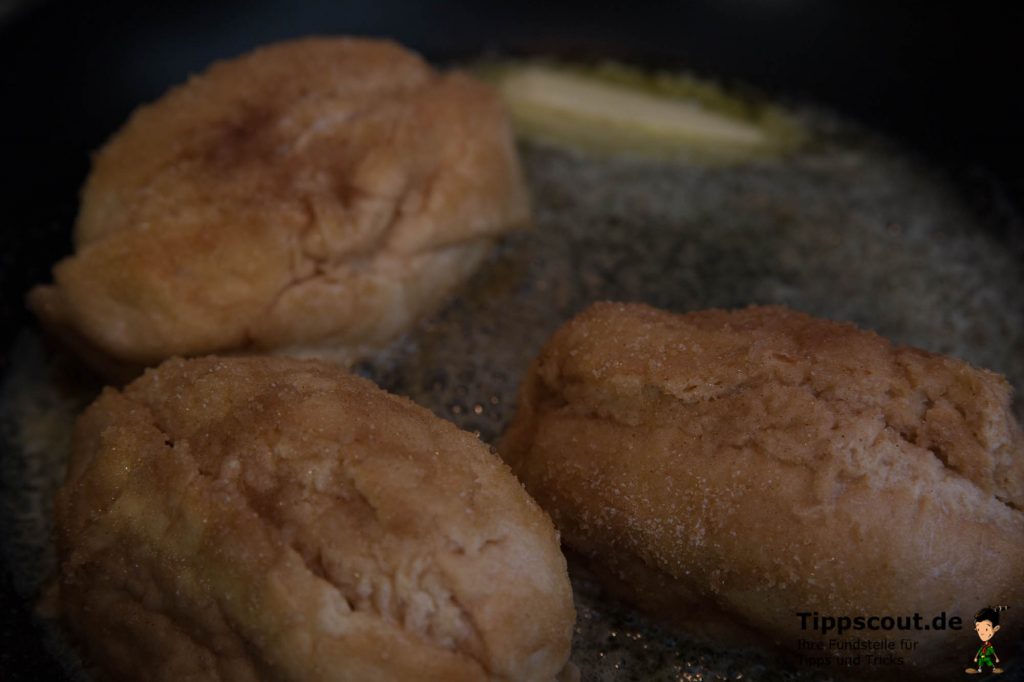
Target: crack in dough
(307,524)
(312,195)
(726,469)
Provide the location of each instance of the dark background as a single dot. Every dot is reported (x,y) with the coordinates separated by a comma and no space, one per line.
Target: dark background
(945,80)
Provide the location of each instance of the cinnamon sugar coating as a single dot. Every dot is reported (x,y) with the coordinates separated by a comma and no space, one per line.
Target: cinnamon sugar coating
(312,197)
(272,519)
(730,469)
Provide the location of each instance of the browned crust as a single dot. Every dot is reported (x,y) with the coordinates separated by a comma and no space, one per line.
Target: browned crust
(769,462)
(319,192)
(268,518)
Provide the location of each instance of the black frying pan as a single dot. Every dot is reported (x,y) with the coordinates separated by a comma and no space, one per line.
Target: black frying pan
(944,81)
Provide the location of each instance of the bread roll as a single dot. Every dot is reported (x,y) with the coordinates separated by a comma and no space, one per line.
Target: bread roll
(312,197)
(279,519)
(732,470)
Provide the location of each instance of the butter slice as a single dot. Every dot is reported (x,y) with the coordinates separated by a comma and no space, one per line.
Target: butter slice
(567,106)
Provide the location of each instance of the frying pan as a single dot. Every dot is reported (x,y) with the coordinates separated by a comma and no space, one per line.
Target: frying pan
(943,81)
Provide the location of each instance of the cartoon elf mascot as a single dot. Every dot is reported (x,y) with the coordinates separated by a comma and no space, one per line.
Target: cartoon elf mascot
(986,622)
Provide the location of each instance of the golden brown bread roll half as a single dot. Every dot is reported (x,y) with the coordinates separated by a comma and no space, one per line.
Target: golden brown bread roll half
(312,197)
(280,519)
(733,470)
